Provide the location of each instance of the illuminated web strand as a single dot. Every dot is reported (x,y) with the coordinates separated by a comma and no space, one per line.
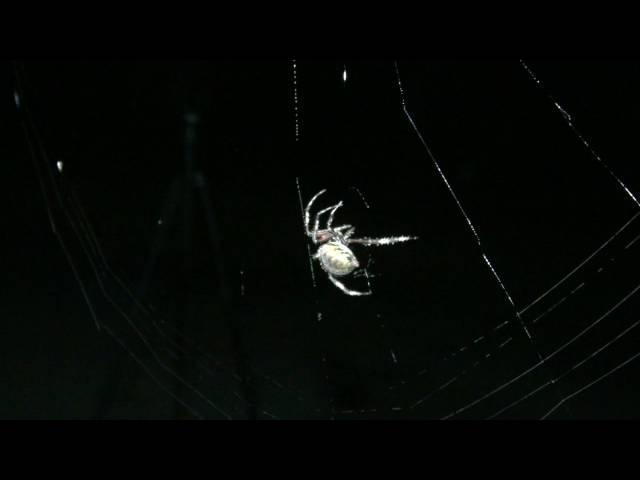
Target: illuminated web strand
(524,327)
(142,365)
(544,313)
(304,220)
(85,245)
(364,200)
(568,118)
(460,375)
(95,246)
(318,311)
(460,207)
(27,123)
(584,262)
(131,323)
(73,212)
(485,258)
(139,332)
(488,355)
(632,242)
(90,238)
(572,369)
(295,99)
(590,384)
(210,358)
(296,111)
(545,359)
(592,355)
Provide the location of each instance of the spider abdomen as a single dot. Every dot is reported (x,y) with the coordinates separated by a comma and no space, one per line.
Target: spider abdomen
(337,259)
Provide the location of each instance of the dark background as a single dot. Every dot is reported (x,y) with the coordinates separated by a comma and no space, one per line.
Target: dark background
(211,312)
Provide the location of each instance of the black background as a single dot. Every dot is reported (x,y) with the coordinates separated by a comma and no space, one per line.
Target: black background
(540,201)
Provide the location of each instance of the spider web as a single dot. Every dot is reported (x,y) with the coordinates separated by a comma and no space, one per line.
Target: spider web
(518,300)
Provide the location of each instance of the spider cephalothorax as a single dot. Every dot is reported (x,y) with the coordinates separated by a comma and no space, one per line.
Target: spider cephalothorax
(334,254)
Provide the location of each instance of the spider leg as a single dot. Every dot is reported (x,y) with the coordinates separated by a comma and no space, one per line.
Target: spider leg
(364,272)
(375,242)
(341,286)
(307,214)
(331,209)
(343,227)
(333,212)
(345,234)
(350,230)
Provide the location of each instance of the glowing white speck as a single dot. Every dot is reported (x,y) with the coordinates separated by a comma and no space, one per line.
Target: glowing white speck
(393,355)
(344,75)
(160,222)
(59,165)
(16,99)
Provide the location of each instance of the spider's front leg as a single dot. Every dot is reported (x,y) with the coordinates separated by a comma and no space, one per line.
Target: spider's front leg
(376,242)
(349,230)
(307,212)
(331,209)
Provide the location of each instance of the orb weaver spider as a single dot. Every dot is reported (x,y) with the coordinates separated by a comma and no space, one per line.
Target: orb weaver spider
(333,254)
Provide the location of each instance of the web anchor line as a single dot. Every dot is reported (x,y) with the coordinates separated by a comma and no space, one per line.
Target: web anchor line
(569,120)
(485,258)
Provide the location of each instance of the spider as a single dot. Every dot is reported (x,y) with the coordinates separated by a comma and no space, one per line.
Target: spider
(334,254)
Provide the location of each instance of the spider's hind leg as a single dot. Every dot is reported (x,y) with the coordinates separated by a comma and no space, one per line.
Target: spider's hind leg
(341,286)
